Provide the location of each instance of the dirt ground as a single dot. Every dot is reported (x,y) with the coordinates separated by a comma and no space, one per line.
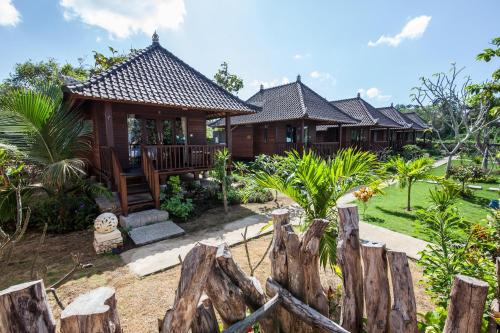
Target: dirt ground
(140,301)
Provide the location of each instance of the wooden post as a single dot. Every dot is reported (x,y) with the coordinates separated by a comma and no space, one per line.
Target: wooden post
(227,298)
(108,121)
(24,308)
(466,307)
(92,312)
(340,136)
(349,259)
(205,320)
(403,316)
(376,287)
(194,272)
(229,134)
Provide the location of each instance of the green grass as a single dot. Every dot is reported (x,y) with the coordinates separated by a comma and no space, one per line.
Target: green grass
(389,211)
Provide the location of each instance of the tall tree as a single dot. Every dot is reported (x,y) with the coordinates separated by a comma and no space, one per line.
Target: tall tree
(228,81)
(445,96)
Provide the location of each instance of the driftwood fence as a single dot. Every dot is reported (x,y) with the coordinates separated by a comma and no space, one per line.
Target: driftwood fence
(294,301)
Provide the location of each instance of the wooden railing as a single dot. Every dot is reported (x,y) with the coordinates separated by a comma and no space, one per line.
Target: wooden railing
(152,176)
(120,181)
(170,158)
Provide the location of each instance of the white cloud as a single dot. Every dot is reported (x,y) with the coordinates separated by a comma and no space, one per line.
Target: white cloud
(271,83)
(413,29)
(322,76)
(300,56)
(9,15)
(124,18)
(374,93)
(98,39)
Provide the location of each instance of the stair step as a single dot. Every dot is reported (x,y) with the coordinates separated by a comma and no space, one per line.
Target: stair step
(155,232)
(139,197)
(139,219)
(137,188)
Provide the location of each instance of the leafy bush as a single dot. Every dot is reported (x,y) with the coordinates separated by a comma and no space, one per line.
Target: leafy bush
(433,321)
(178,206)
(465,174)
(253,192)
(233,196)
(64,213)
(174,186)
(411,152)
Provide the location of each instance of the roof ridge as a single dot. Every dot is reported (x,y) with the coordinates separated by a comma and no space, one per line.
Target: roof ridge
(301,98)
(362,101)
(343,100)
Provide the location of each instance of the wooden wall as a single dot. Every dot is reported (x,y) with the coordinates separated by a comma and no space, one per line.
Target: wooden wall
(243,142)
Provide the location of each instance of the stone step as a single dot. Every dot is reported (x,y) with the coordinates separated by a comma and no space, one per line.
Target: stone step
(139,219)
(155,232)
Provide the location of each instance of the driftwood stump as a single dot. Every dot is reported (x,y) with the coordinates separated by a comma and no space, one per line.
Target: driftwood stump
(249,285)
(226,297)
(24,309)
(195,269)
(403,316)
(205,320)
(467,301)
(376,287)
(93,312)
(349,259)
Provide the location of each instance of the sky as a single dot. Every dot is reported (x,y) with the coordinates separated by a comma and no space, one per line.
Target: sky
(377,48)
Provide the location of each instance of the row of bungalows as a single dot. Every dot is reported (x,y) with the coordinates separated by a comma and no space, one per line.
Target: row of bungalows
(294,117)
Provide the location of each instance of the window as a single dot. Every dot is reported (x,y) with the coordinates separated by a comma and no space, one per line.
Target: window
(332,134)
(379,135)
(307,137)
(291,134)
(180,130)
(266,133)
(355,135)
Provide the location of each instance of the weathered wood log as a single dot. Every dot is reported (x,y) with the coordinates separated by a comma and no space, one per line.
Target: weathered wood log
(493,327)
(376,287)
(195,269)
(263,312)
(24,308)
(205,320)
(279,267)
(403,317)
(349,259)
(301,310)
(467,301)
(226,297)
(249,285)
(92,312)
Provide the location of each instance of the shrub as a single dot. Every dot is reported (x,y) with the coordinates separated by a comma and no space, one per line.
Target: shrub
(178,206)
(233,196)
(64,213)
(411,152)
(465,174)
(174,186)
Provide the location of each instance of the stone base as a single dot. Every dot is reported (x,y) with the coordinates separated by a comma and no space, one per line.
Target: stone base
(104,243)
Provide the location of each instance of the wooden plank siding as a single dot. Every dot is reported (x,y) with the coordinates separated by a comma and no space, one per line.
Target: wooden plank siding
(243,141)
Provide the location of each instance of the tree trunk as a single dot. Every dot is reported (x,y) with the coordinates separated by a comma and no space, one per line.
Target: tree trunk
(403,317)
(227,298)
(408,203)
(195,269)
(92,312)
(24,309)
(448,164)
(376,287)
(467,301)
(349,259)
(224,198)
(205,320)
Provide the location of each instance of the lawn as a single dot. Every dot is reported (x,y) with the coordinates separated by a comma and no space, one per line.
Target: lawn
(389,211)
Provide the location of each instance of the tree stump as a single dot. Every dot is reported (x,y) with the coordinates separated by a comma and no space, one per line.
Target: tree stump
(349,259)
(376,287)
(403,317)
(92,312)
(205,320)
(226,297)
(467,301)
(196,266)
(24,309)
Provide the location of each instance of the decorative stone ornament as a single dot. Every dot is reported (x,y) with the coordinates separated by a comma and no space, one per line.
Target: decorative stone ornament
(105,223)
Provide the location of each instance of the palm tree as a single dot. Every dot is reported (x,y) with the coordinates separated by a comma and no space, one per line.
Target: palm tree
(48,134)
(407,172)
(316,184)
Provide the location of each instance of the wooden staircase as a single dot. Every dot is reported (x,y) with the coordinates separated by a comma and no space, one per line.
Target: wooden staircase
(138,193)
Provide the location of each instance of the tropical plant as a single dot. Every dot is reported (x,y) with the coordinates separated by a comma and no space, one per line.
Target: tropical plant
(228,81)
(219,172)
(316,184)
(407,172)
(465,174)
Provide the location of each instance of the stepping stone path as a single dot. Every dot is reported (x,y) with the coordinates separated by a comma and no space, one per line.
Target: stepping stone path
(494,189)
(150,226)
(475,187)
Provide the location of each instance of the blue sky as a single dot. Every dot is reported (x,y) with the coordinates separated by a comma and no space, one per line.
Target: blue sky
(380,48)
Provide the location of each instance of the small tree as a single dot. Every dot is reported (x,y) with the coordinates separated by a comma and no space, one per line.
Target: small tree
(222,158)
(228,81)
(465,174)
(407,172)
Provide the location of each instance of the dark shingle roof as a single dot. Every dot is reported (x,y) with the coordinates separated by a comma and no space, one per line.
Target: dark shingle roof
(418,123)
(395,115)
(360,109)
(156,76)
(290,101)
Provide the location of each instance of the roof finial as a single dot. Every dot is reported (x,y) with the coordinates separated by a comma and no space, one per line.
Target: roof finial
(261,87)
(156,38)
(392,104)
(298,78)
(359,95)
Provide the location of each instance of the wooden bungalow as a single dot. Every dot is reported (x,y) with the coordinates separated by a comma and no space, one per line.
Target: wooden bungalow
(372,132)
(288,117)
(149,116)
